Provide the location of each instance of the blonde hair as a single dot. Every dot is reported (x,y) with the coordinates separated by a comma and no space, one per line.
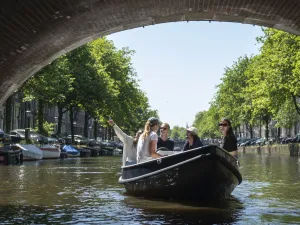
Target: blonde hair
(151,122)
(146,131)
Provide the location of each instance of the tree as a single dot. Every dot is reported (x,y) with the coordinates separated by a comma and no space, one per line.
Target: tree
(280,56)
(96,78)
(50,85)
(230,97)
(207,122)
(178,133)
(287,116)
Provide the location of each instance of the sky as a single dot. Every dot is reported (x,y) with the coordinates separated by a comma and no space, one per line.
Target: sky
(180,64)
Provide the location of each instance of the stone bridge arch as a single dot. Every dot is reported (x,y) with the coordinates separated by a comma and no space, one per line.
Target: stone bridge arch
(35,32)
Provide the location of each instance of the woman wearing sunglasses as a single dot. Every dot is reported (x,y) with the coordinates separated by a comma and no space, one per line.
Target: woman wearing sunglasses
(130,144)
(229,142)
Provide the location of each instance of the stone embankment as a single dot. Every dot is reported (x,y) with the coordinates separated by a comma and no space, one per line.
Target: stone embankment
(290,149)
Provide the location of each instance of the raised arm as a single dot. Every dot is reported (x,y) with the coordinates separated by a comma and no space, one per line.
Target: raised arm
(121,135)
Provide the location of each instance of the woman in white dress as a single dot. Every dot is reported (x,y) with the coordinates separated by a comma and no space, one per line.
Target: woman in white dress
(147,144)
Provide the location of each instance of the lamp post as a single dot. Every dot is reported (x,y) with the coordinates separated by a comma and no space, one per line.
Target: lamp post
(90,131)
(101,136)
(1,118)
(56,124)
(27,129)
(28,114)
(75,127)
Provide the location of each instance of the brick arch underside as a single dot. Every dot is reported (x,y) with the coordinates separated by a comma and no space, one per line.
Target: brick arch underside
(35,32)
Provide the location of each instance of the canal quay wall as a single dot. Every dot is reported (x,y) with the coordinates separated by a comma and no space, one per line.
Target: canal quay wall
(290,149)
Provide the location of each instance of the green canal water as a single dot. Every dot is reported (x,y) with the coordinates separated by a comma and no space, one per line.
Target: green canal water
(86,191)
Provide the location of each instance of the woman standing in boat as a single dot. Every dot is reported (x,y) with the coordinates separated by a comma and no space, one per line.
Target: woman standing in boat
(229,142)
(147,144)
(193,141)
(130,144)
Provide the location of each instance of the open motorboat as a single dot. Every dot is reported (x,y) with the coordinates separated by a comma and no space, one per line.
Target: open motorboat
(30,152)
(50,151)
(71,151)
(208,172)
(11,155)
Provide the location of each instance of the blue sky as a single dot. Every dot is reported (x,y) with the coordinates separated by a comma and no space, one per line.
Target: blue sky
(179,64)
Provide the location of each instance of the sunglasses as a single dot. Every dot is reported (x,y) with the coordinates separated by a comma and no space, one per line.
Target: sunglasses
(163,128)
(223,124)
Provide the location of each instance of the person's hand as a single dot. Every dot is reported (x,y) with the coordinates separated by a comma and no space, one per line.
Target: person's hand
(111,122)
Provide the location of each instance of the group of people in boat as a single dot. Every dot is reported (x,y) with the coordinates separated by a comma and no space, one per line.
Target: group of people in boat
(144,145)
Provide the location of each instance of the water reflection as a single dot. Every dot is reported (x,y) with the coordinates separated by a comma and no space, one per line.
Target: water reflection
(86,191)
(187,212)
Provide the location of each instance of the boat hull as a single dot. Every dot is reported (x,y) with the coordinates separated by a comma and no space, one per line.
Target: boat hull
(202,174)
(30,152)
(50,152)
(10,156)
(71,151)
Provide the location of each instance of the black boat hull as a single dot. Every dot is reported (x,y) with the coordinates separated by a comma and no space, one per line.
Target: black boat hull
(204,173)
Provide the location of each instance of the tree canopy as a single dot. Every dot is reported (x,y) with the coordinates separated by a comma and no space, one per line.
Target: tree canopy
(258,88)
(96,78)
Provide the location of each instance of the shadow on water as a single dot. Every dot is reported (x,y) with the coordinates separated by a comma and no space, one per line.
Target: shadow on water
(129,211)
(183,212)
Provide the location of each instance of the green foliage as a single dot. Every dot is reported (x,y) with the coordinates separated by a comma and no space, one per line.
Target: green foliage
(207,122)
(258,88)
(230,97)
(48,128)
(96,78)
(278,72)
(178,133)
(287,116)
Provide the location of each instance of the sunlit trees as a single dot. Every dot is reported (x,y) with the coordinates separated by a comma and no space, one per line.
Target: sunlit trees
(96,78)
(259,88)
(178,133)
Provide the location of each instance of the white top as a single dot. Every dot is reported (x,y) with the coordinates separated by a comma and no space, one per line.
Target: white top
(143,147)
(129,150)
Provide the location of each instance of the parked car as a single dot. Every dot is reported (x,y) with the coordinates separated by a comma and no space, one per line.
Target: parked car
(117,145)
(260,141)
(52,140)
(17,135)
(296,139)
(246,143)
(38,138)
(79,139)
(285,140)
(107,145)
(60,138)
(4,137)
(241,141)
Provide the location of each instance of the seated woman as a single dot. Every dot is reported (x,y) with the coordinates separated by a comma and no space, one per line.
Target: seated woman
(130,144)
(229,142)
(147,144)
(193,141)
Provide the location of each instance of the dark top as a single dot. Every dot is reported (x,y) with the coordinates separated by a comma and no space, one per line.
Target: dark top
(229,143)
(169,143)
(196,143)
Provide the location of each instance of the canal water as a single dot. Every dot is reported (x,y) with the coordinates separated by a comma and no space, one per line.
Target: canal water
(86,191)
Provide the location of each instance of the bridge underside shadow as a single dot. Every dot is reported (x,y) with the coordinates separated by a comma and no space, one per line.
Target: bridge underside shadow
(34,32)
